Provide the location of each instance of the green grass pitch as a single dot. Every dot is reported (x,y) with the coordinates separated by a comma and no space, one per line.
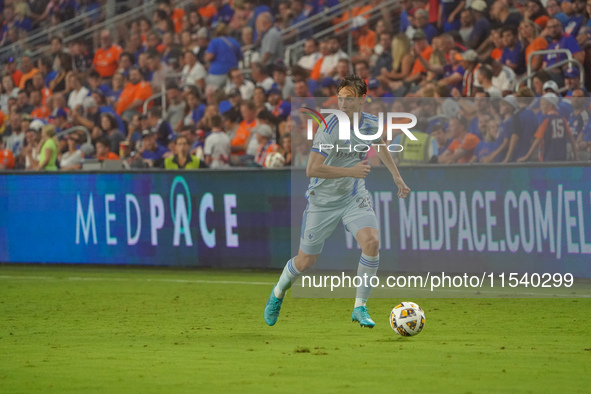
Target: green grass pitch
(130,330)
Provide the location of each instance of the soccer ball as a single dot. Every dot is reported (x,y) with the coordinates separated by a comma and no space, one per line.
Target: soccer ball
(407,319)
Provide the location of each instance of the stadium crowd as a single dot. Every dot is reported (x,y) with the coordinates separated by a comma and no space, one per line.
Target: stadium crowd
(227,86)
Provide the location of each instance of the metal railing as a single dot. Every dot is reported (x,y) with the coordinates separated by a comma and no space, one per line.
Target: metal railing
(74,129)
(570,60)
(294,50)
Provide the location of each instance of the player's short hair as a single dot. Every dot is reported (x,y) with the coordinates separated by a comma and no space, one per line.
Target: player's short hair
(354,82)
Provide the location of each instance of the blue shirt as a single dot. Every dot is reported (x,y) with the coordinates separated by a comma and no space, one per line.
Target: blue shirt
(431,32)
(525,126)
(515,56)
(404,22)
(50,77)
(226,53)
(448,71)
(573,25)
(156,155)
(565,42)
(198,113)
(480,31)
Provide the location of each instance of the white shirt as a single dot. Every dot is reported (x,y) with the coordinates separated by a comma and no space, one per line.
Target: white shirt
(309,61)
(505,80)
(246,89)
(266,84)
(330,62)
(217,145)
(77,97)
(190,76)
(70,159)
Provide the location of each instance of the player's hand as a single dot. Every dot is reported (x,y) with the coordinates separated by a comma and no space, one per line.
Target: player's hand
(360,170)
(403,190)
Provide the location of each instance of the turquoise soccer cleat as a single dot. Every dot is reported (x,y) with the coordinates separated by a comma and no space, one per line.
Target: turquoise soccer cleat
(273,308)
(361,316)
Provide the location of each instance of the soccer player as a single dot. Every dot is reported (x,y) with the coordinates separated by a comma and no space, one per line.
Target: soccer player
(337,193)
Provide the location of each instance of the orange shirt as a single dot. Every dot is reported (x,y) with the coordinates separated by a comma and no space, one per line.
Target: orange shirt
(106,61)
(141,91)
(208,11)
(315,74)
(367,42)
(418,67)
(177,19)
(16,77)
(496,53)
(6,158)
(46,93)
(538,44)
(468,144)
(242,135)
(26,77)
(110,156)
(41,112)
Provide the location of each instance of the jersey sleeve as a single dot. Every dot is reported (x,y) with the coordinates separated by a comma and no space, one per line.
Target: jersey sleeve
(325,138)
(541,130)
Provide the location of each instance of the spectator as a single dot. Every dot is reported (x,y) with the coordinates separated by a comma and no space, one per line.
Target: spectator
(384,59)
(501,16)
(158,69)
(48,149)
(13,71)
(507,108)
(572,80)
(524,127)
(463,145)
(193,73)
(64,68)
(484,76)
(481,28)
(60,120)
(261,76)
(421,48)
(217,145)
(422,23)
(528,32)
(175,104)
(466,24)
(279,107)
(440,137)
(78,92)
(513,55)
(237,81)
(579,118)
(133,95)
(558,40)
(365,37)
(30,151)
(249,55)
(265,144)
(311,56)
(73,158)
(284,83)
(126,60)
(106,58)
(182,159)
(40,111)
(223,54)
(152,152)
(536,13)
(552,134)
(14,136)
(402,60)
(270,38)
(8,89)
(159,126)
(39,84)
(28,69)
(80,56)
(103,149)
(22,103)
(111,129)
(240,141)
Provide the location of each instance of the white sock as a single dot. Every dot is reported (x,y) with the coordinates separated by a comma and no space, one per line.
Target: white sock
(368,265)
(289,275)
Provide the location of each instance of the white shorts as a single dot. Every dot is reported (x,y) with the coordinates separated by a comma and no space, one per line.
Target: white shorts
(319,223)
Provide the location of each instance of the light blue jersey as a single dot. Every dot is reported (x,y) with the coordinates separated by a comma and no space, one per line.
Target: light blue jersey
(339,153)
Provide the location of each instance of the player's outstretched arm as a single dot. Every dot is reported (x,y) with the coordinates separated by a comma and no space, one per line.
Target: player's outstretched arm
(317,169)
(388,161)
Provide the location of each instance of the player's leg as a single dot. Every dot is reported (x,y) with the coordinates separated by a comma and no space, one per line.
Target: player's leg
(363,225)
(317,226)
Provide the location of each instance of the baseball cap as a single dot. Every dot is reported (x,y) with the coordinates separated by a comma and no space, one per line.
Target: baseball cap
(550,85)
(572,73)
(358,21)
(284,110)
(419,35)
(264,130)
(274,90)
(234,93)
(373,83)
(147,133)
(478,5)
(88,102)
(202,33)
(551,98)
(87,149)
(224,106)
(327,82)
(36,125)
(470,55)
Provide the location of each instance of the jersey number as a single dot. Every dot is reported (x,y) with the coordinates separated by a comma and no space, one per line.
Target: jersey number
(557,128)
